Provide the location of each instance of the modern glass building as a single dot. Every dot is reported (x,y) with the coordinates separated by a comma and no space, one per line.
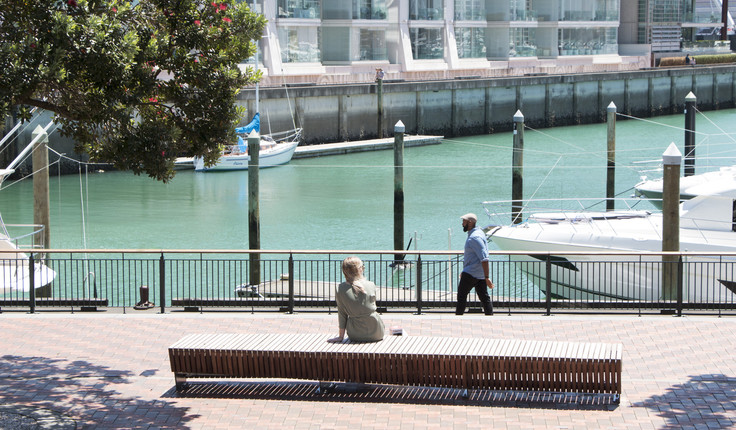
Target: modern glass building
(334,41)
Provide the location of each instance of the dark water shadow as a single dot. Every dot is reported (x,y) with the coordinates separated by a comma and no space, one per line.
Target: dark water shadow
(368,393)
(704,401)
(84,392)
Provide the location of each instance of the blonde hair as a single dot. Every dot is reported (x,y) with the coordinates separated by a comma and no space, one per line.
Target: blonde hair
(352,269)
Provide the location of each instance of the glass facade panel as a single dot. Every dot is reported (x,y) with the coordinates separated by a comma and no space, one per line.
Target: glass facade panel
(426,9)
(470,10)
(371,45)
(521,10)
(299,9)
(586,10)
(470,42)
(588,41)
(254,5)
(426,43)
(369,9)
(299,44)
(522,42)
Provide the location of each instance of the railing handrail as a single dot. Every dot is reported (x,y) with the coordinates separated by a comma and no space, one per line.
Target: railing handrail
(359,252)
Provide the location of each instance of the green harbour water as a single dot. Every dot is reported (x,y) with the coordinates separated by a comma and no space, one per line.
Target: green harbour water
(346,202)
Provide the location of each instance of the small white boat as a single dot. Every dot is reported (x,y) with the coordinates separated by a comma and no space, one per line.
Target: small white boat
(721,182)
(706,226)
(275,149)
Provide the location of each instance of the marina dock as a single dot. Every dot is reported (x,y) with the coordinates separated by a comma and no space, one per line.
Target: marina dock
(363,145)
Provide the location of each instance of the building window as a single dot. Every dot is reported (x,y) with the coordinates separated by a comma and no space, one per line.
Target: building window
(522,42)
(426,43)
(371,45)
(470,10)
(254,5)
(587,41)
(369,9)
(470,42)
(426,9)
(521,10)
(299,9)
(299,44)
(586,10)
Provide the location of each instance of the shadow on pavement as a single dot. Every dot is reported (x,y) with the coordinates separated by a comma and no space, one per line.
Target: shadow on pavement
(704,401)
(83,392)
(365,393)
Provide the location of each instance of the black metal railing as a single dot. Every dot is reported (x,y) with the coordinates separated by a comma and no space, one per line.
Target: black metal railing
(423,281)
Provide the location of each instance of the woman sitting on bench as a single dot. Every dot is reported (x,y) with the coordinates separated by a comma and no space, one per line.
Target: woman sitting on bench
(356,305)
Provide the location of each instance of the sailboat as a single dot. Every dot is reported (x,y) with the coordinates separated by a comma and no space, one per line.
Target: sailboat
(275,149)
(15,270)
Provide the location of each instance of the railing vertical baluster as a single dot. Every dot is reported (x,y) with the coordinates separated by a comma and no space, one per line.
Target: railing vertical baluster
(548,284)
(291,283)
(32,281)
(679,286)
(419,284)
(162,282)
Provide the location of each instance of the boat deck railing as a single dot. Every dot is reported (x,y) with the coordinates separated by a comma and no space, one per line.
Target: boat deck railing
(407,281)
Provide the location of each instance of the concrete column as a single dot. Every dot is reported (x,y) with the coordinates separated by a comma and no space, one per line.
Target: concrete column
(254,228)
(671,159)
(40,160)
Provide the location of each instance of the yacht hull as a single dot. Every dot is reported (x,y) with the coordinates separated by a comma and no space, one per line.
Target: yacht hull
(280,154)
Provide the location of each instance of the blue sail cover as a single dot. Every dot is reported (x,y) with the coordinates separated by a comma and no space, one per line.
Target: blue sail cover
(254,124)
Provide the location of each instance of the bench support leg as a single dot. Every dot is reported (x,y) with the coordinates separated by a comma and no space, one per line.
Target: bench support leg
(323,387)
(465,394)
(181,381)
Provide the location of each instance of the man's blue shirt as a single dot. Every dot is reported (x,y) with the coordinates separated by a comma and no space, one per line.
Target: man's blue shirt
(476,252)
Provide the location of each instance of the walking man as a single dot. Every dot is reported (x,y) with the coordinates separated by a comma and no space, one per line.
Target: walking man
(475,267)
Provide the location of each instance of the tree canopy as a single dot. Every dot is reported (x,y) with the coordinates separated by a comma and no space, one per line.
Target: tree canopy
(133,83)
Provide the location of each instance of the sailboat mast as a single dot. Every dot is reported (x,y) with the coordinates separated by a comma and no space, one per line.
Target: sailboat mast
(257,42)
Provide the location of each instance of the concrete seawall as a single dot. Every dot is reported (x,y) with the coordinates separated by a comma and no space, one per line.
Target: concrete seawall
(465,107)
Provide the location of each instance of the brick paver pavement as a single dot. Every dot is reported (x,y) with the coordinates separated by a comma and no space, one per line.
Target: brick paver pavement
(108,370)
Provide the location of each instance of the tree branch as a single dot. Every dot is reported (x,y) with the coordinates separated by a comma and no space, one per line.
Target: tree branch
(57,109)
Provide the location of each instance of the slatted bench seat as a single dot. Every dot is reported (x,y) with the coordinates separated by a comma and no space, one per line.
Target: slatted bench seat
(493,364)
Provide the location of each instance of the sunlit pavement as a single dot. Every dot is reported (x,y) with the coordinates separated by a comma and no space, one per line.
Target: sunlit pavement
(108,370)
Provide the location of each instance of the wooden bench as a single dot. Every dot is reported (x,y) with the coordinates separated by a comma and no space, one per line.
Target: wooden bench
(493,364)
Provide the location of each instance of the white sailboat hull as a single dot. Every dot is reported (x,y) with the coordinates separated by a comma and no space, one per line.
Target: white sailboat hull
(15,276)
(280,154)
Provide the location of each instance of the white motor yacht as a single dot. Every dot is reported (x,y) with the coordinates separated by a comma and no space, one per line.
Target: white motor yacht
(706,226)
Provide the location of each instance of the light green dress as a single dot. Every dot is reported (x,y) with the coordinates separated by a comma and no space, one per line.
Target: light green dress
(357,312)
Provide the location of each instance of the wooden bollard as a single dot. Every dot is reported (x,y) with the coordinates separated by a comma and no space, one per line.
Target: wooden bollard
(254,228)
(399,190)
(611,152)
(517,169)
(671,159)
(690,110)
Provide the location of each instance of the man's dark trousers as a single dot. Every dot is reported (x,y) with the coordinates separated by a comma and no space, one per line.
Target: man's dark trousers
(467,283)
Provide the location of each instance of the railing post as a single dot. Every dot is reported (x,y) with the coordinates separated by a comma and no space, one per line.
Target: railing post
(291,283)
(548,284)
(162,282)
(419,284)
(31,280)
(679,286)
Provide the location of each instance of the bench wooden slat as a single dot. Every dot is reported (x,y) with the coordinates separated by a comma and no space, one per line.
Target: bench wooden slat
(499,364)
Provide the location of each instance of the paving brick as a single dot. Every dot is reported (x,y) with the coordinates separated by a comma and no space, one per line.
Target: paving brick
(112,371)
